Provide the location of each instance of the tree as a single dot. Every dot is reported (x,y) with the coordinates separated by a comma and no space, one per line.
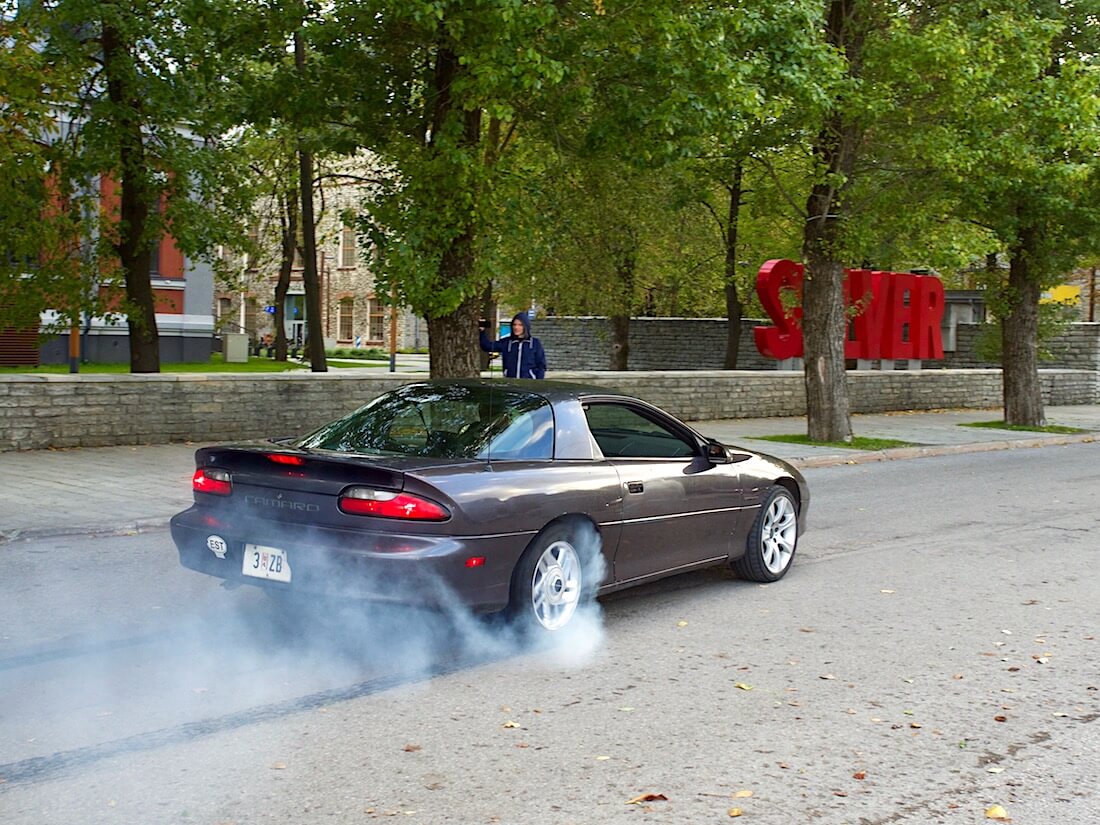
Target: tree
(132,114)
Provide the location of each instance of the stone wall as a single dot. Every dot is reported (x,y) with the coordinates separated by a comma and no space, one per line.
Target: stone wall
(700,344)
(44,411)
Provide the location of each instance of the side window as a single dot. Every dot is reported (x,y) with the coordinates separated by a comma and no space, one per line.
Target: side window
(622,432)
(527,436)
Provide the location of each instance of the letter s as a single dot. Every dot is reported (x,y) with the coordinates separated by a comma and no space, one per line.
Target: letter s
(784,340)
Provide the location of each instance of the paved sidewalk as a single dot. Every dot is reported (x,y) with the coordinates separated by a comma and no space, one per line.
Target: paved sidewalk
(127,489)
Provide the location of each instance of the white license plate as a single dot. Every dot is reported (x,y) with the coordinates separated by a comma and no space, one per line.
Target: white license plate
(265,563)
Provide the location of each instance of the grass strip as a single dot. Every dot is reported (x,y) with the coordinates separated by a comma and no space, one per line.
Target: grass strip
(857,442)
(1023,428)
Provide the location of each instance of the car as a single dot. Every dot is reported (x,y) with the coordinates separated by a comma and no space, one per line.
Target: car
(521,498)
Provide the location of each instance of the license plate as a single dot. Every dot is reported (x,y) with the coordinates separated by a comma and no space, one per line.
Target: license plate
(265,563)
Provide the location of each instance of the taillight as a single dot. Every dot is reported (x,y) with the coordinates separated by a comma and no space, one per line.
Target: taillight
(287,458)
(365,501)
(209,480)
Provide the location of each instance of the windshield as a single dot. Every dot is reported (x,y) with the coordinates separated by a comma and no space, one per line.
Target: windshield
(444,421)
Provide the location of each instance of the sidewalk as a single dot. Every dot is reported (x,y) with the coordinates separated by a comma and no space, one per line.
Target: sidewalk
(129,489)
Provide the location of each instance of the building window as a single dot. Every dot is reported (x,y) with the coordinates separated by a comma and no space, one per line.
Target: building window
(376,330)
(251,317)
(348,256)
(345,318)
(225,312)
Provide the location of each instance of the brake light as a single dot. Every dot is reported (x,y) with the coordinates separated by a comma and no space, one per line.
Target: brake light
(208,480)
(286,458)
(365,501)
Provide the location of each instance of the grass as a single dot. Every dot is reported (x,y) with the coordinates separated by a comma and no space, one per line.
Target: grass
(1023,428)
(215,364)
(857,443)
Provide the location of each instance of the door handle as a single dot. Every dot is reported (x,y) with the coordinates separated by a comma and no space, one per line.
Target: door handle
(634,486)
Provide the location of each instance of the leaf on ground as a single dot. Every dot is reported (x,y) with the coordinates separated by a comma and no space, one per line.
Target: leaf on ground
(997,812)
(735,812)
(411,748)
(602,758)
(1000,718)
(826,676)
(647,797)
(995,769)
(510,724)
(279,766)
(742,794)
(681,624)
(859,775)
(888,591)
(742,686)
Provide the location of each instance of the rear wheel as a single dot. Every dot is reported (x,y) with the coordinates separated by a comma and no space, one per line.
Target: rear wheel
(772,540)
(552,579)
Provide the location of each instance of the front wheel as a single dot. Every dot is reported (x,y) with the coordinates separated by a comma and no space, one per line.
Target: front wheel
(772,540)
(553,578)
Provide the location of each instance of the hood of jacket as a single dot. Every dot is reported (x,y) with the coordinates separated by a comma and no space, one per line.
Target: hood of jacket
(523,319)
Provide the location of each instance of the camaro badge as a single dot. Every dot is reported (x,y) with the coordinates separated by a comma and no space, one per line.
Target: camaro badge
(217,546)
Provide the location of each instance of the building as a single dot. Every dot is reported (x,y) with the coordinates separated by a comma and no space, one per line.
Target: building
(354,315)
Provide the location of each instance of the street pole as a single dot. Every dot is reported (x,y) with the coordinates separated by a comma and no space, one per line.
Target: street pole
(393,330)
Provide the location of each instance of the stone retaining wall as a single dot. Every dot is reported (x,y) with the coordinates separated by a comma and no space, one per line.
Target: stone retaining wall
(43,411)
(584,343)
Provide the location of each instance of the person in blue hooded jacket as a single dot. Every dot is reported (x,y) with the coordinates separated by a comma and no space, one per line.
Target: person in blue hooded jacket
(522,355)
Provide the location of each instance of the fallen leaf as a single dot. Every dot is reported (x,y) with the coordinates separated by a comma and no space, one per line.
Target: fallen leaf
(410,748)
(840,793)
(510,724)
(602,758)
(279,766)
(735,812)
(806,630)
(826,676)
(997,812)
(995,769)
(627,710)
(521,745)
(783,765)
(742,686)
(1000,718)
(915,725)
(957,676)
(1031,601)
(647,797)
(1013,669)
(887,591)
(681,624)
(859,775)
(742,794)
(1061,715)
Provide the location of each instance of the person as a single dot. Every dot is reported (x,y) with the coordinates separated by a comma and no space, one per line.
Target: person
(521,354)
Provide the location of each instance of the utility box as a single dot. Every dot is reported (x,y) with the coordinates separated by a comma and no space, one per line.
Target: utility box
(235,347)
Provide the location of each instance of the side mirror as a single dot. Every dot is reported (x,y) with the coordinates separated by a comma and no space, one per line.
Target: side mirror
(718,453)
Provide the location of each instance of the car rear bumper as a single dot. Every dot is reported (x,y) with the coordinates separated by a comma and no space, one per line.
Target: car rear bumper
(388,567)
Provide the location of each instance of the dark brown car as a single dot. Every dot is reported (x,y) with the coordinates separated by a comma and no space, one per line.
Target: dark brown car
(520,496)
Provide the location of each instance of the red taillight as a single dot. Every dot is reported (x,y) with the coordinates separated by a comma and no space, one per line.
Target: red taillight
(286,458)
(364,501)
(207,480)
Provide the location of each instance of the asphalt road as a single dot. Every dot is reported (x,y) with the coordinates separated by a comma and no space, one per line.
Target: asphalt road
(932,653)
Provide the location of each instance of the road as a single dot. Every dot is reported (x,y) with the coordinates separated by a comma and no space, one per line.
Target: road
(932,653)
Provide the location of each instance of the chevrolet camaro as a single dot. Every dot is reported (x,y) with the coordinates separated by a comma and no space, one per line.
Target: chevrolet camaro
(521,497)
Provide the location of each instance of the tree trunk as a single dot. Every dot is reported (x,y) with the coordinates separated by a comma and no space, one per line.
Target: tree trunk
(620,342)
(453,346)
(1023,397)
(315,337)
(132,248)
(453,341)
(734,306)
(289,220)
(824,321)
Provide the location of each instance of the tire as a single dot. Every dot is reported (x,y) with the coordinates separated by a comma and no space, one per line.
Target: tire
(772,541)
(553,578)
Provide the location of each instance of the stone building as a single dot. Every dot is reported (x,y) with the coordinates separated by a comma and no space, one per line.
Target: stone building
(354,315)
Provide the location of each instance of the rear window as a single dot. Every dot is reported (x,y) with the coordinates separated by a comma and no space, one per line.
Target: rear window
(444,421)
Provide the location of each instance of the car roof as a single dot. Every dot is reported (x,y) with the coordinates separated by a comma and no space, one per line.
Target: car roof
(551,390)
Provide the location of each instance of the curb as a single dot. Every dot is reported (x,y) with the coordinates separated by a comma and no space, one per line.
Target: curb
(903,453)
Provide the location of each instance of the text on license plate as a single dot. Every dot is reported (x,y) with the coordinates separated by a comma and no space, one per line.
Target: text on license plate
(265,563)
